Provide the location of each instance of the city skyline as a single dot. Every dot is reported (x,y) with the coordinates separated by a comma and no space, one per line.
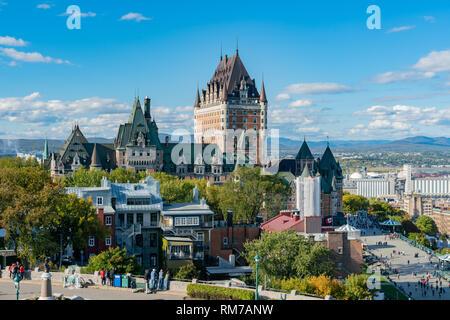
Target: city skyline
(321,66)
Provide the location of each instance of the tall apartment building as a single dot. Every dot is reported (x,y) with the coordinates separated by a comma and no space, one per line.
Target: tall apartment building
(232,102)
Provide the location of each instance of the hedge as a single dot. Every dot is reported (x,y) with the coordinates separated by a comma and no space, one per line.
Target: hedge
(218,293)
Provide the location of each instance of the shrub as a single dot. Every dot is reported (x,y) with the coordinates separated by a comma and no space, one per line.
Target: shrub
(356,287)
(188,272)
(218,293)
(114,258)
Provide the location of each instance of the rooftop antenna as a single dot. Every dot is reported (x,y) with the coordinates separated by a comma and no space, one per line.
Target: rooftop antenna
(220,50)
(237,45)
(328,141)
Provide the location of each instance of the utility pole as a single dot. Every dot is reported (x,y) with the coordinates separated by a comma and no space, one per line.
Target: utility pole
(60,250)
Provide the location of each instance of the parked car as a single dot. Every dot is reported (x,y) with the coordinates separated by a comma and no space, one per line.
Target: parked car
(66,260)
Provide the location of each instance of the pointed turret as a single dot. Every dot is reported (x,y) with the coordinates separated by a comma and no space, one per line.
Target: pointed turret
(306,173)
(262,97)
(225,93)
(45,155)
(304,152)
(197,100)
(95,160)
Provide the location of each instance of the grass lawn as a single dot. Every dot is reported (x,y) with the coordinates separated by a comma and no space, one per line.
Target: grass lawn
(390,291)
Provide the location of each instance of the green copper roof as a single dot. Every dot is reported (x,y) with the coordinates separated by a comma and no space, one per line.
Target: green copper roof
(45,155)
(304,152)
(306,173)
(287,177)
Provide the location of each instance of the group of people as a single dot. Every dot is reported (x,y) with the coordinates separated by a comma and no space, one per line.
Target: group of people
(16,269)
(153,278)
(107,276)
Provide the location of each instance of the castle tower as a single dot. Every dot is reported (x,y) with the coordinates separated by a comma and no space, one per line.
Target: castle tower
(95,160)
(304,158)
(231,102)
(45,154)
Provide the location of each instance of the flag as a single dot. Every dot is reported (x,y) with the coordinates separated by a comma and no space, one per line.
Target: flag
(329,220)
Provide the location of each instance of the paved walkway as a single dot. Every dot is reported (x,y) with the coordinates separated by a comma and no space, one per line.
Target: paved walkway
(420,265)
(30,289)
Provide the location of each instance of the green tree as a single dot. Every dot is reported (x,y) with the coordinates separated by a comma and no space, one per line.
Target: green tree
(353,203)
(285,255)
(313,259)
(356,287)
(247,190)
(189,272)
(85,178)
(420,238)
(74,221)
(427,225)
(27,202)
(114,258)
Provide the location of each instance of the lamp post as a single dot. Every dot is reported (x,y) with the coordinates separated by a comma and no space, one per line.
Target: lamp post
(256,261)
(16,280)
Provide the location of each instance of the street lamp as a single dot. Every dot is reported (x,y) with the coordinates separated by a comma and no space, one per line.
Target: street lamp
(256,261)
(17,280)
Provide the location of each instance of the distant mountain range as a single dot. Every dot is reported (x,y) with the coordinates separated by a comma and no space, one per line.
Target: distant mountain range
(287,146)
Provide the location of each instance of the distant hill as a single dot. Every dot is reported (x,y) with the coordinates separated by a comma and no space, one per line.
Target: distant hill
(287,146)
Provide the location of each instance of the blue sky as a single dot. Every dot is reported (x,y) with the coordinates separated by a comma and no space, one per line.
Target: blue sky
(325,72)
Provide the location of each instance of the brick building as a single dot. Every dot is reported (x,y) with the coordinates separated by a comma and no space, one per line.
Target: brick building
(442,219)
(228,239)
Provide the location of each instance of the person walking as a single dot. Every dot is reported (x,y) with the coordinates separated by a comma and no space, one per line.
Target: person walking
(166,281)
(111,277)
(147,279)
(21,271)
(103,276)
(11,268)
(153,276)
(160,279)
(107,277)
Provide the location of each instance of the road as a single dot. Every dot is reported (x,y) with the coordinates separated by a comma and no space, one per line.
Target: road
(421,265)
(30,289)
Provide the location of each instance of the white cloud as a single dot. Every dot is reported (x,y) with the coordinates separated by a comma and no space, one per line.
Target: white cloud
(398,29)
(307,130)
(435,61)
(301,103)
(29,56)
(282,96)
(319,88)
(12,42)
(43,6)
(394,76)
(82,14)
(430,19)
(134,16)
(402,117)
(12,64)
(99,116)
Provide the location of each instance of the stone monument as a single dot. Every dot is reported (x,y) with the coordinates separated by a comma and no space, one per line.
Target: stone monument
(46,284)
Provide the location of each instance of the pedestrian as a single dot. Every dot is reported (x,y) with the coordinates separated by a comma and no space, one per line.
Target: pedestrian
(103,276)
(15,270)
(11,268)
(107,277)
(153,276)
(166,281)
(147,279)
(21,271)
(160,279)
(111,277)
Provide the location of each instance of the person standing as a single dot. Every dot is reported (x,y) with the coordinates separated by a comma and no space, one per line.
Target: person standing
(153,276)
(147,279)
(166,281)
(111,278)
(103,276)
(107,277)
(21,271)
(160,279)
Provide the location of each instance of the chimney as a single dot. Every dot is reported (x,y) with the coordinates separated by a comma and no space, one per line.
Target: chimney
(147,115)
(230,218)
(203,142)
(167,141)
(296,215)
